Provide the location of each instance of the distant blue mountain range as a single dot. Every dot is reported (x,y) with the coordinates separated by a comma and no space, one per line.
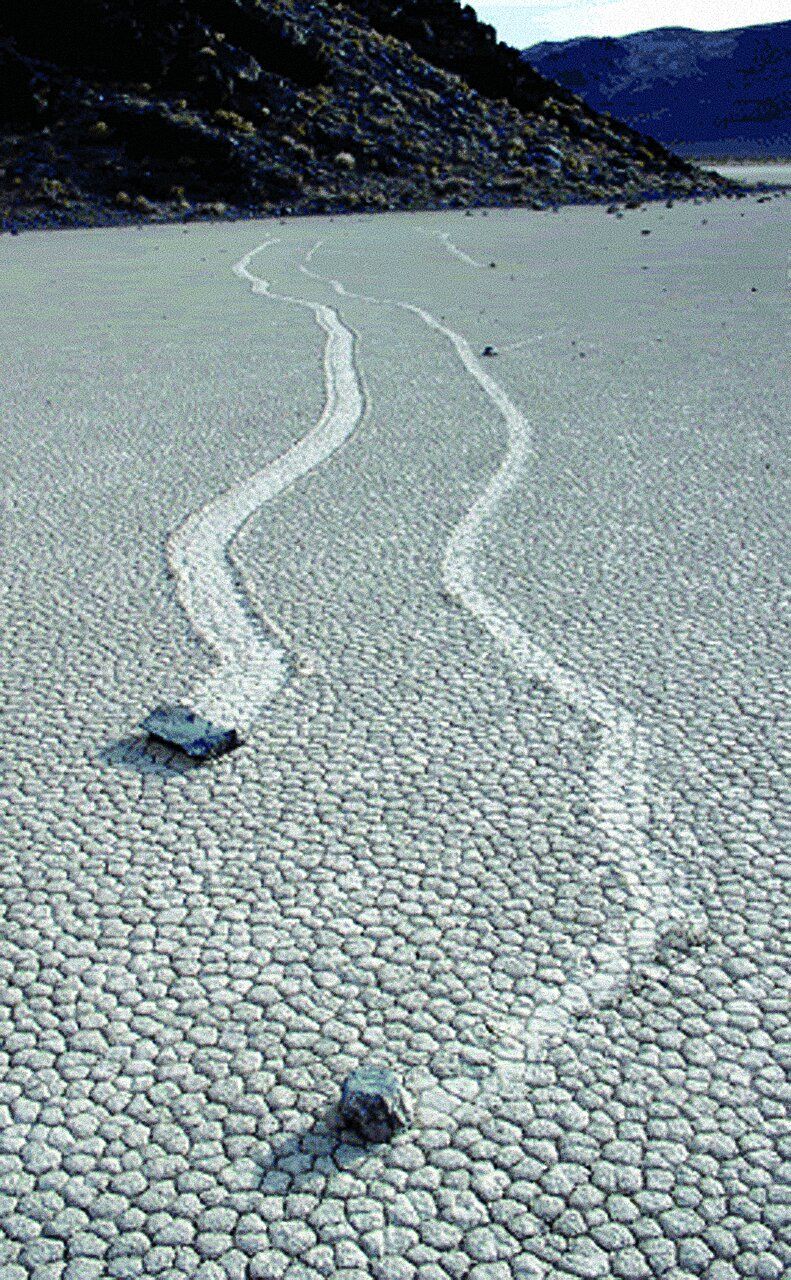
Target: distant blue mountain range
(704,93)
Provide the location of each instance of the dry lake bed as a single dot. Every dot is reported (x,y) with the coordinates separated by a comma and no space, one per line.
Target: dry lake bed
(505,637)
(771,172)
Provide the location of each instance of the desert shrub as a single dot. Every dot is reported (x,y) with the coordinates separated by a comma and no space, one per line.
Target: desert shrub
(511,182)
(232,120)
(452,184)
(387,100)
(648,156)
(53,191)
(382,124)
(299,149)
(277,181)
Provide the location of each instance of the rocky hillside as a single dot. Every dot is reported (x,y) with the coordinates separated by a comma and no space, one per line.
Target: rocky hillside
(705,93)
(157,109)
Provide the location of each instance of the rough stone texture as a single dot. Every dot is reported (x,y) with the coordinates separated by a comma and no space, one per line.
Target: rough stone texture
(374,1103)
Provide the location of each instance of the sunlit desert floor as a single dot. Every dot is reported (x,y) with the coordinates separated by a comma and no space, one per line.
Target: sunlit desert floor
(775,173)
(508,812)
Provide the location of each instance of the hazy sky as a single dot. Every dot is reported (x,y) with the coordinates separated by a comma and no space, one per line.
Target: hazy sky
(524,22)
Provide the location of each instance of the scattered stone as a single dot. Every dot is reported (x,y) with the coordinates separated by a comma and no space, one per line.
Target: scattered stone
(374,1103)
(179,727)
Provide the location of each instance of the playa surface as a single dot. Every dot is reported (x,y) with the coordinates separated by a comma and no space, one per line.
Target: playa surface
(506,639)
(773,173)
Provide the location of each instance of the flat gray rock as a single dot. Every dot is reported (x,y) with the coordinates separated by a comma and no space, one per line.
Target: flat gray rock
(180,727)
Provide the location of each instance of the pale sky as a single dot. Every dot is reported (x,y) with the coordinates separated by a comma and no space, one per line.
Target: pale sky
(525,22)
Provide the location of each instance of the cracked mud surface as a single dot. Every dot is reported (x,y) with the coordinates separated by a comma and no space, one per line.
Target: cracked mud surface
(403,861)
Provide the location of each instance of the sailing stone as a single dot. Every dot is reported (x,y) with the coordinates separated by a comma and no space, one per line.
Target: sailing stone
(374,1103)
(181,727)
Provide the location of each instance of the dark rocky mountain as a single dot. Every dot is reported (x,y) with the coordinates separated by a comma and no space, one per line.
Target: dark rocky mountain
(153,108)
(704,93)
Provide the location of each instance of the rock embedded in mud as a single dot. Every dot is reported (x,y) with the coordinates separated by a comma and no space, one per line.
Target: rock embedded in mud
(374,1103)
(180,727)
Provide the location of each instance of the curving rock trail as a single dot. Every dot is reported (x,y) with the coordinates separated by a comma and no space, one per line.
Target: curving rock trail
(251,667)
(549,594)
(619,772)
(453,248)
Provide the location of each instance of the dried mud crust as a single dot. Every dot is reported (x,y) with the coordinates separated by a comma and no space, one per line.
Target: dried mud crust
(192,961)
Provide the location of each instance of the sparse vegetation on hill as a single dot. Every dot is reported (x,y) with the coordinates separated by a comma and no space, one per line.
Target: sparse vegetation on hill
(151,108)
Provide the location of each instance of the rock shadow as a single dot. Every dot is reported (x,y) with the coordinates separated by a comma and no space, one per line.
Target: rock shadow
(327,1147)
(139,753)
